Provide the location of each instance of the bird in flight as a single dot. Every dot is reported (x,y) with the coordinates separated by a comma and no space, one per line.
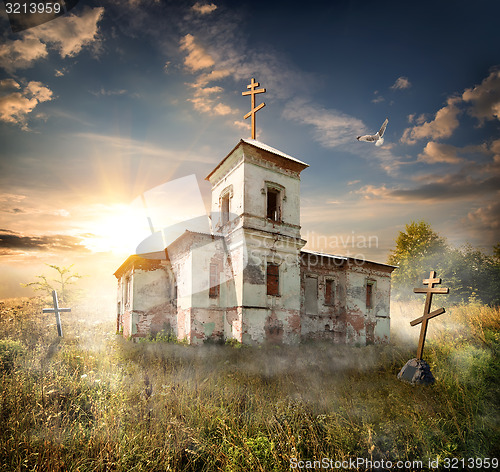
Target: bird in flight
(375,138)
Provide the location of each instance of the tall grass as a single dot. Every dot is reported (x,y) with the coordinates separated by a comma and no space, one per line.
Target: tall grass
(93,401)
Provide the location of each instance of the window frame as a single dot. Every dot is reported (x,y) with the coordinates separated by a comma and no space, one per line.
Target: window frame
(276,292)
(370,291)
(279,191)
(214,276)
(329,300)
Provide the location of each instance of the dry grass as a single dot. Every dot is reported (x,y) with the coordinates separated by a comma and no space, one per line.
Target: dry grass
(93,401)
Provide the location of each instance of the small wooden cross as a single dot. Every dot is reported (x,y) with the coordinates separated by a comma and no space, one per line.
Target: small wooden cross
(56,310)
(254,110)
(430,290)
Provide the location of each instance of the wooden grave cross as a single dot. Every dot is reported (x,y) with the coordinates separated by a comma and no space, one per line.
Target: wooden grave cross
(430,290)
(56,310)
(253,90)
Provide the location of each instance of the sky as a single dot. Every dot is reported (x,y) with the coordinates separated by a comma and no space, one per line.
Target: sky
(117,97)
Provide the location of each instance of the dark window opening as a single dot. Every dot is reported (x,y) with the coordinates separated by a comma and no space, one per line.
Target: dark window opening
(329,295)
(369,295)
(213,291)
(273,202)
(225,209)
(273,279)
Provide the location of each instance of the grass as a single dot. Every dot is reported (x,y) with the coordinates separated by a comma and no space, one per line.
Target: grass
(93,401)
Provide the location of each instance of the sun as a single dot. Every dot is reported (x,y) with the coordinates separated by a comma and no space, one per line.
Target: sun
(120,230)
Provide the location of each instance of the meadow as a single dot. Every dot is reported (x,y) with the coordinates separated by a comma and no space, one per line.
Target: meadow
(93,401)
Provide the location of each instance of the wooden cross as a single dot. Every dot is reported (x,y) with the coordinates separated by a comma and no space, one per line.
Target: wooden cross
(430,290)
(56,310)
(254,109)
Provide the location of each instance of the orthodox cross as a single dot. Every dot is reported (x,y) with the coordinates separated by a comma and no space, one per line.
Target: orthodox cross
(427,313)
(56,310)
(253,85)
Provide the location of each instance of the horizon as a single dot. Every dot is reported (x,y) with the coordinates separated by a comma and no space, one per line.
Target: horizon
(115,98)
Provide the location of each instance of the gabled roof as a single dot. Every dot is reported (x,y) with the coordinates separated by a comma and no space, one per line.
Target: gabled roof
(264,147)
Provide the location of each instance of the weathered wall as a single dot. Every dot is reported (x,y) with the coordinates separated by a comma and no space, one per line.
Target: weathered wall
(347,319)
(367,325)
(323,321)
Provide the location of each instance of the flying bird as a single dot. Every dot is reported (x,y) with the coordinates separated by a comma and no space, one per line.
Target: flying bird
(375,138)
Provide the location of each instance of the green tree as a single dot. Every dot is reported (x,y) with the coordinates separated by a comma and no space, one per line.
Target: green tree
(417,249)
(470,274)
(63,284)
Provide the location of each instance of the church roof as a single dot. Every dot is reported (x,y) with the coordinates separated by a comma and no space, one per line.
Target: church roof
(343,258)
(264,147)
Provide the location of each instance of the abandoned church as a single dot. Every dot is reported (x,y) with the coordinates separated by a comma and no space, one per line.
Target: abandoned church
(249,279)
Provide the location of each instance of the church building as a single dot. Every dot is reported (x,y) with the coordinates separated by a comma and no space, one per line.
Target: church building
(249,278)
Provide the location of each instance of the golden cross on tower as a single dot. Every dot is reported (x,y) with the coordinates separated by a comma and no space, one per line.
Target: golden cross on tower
(427,315)
(253,85)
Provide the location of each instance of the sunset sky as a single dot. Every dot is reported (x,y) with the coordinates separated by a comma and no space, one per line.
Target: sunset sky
(117,97)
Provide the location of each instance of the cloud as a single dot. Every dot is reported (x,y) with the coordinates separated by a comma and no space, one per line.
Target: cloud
(484,99)
(11,241)
(68,35)
(103,92)
(71,33)
(444,124)
(15,107)
(481,101)
(204,9)
(401,84)
(197,58)
(436,152)
(331,127)
(6,84)
(21,53)
(486,218)
(378,98)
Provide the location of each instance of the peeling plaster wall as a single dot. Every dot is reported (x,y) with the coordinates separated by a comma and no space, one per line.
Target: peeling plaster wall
(154,306)
(347,319)
(328,322)
(367,325)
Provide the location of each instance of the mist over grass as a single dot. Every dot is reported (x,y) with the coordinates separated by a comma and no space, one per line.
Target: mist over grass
(93,401)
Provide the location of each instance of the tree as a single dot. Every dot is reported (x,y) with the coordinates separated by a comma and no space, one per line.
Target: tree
(61,284)
(468,272)
(416,248)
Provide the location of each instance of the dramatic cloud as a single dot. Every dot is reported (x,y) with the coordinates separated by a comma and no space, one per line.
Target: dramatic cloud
(15,107)
(484,98)
(68,35)
(21,53)
(204,9)
(401,83)
(197,58)
(481,101)
(436,152)
(11,241)
(443,125)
